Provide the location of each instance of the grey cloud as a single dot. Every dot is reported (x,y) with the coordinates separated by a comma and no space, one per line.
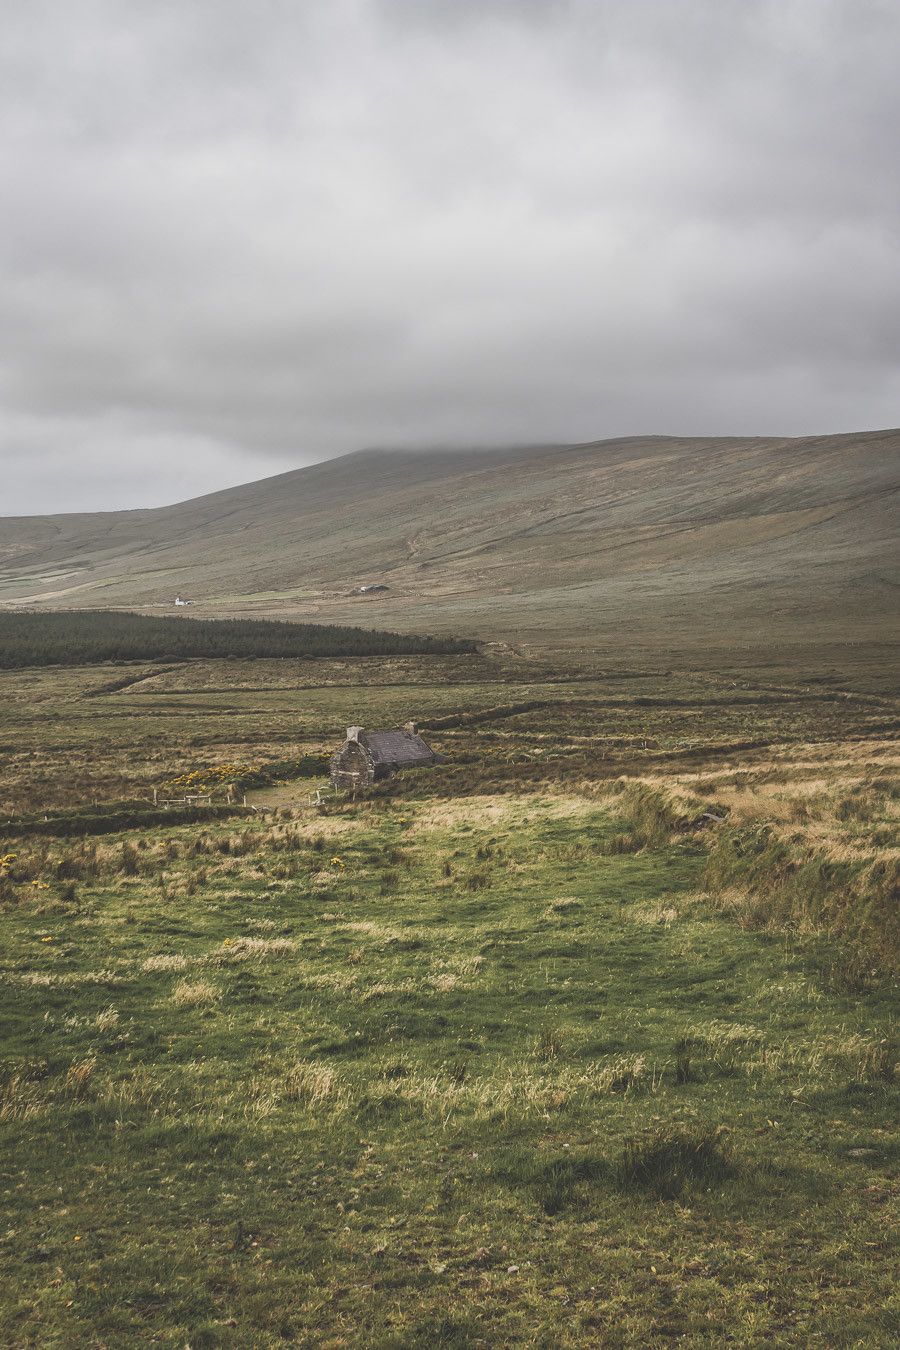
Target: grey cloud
(239,238)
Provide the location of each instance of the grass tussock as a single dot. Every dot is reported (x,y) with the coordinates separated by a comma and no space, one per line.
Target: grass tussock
(235,950)
(567,1184)
(771,882)
(195,994)
(652,816)
(79,1078)
(164,963)
(867,1060)
(20,1096)
(672,1163)
(328,1074)
(310,1084)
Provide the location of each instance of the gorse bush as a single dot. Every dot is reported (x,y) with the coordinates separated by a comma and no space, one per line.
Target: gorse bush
(87,636)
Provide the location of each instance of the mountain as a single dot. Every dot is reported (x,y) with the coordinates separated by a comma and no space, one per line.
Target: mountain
(650,542)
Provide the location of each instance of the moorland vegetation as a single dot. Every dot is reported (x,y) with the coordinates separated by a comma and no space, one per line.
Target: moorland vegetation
(654,542)
(587,1037)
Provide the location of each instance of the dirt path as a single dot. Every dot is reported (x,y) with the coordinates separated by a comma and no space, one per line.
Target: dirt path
(302,792)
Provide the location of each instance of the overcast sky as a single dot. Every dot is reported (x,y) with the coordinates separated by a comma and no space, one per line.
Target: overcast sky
(239,236)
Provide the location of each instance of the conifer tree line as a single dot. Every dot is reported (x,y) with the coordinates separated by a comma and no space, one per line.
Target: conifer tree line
(84,637)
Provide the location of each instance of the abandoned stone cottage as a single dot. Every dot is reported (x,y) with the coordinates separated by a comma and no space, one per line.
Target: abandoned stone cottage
(367,756)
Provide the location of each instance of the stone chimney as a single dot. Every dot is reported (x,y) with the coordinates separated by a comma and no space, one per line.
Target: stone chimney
(354,733)
(411,728)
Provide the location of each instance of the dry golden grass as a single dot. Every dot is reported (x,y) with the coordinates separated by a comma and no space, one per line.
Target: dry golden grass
(444,983)
(234,950)
(195,994)
(78,1078)
(494,811)
(73,979)
(659,912)
(368,993)
(329,981)
(310,1083)
(164,962)
(20,1098)
(464,966)
(384,934)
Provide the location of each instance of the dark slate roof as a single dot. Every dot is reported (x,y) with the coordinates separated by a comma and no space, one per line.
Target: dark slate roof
(397,747)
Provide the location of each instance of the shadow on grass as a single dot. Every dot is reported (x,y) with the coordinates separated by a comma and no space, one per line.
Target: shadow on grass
(668,1164)
(448,1333)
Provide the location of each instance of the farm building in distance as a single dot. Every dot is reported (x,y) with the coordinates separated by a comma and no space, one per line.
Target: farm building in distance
(367,756)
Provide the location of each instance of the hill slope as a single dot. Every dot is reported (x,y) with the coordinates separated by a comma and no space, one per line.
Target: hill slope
(645,541)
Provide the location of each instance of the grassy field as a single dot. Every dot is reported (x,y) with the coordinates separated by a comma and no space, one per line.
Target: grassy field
(586,1038)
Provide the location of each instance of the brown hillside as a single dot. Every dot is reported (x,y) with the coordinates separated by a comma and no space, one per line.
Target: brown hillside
(646,542)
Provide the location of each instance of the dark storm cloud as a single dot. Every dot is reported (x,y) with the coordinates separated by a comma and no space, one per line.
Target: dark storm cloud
(239,237)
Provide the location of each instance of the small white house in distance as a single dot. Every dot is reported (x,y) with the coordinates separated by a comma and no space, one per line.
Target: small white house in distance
(179,602)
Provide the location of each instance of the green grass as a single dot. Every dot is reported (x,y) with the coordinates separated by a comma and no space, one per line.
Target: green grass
(520,1051)
(787,884)
(481,1081)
